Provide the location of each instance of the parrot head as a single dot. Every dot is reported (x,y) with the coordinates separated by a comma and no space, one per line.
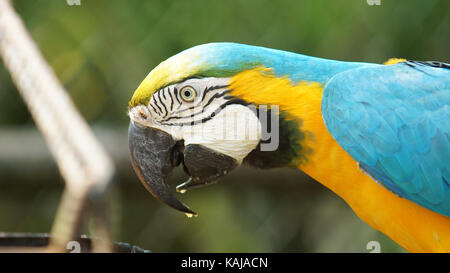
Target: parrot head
(193,110)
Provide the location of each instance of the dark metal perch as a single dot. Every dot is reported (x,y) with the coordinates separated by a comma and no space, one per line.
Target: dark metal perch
(32,242)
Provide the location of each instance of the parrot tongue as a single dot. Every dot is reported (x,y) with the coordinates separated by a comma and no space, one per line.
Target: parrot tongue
(151,151)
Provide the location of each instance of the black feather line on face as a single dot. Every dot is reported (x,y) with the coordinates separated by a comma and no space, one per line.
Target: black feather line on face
(163,104)
(213,114)
(154,109)
(163,93)
(175,91)
(209,89)
(160,112)
(171,101)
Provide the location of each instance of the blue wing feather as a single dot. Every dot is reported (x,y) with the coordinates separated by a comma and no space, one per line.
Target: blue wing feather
(395,121)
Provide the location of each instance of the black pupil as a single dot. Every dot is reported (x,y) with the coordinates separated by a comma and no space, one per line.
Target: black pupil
(187,93)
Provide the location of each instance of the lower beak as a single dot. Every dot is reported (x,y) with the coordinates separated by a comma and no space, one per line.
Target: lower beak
(151,151)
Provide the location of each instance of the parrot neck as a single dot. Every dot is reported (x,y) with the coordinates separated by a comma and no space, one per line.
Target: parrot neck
(304,141)
(302,133)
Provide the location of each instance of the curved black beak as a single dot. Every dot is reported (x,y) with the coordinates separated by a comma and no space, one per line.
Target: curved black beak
(151,151)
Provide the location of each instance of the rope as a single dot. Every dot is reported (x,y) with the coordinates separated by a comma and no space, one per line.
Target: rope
(81,159)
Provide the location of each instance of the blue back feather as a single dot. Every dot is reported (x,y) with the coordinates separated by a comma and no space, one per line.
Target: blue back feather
(395,121)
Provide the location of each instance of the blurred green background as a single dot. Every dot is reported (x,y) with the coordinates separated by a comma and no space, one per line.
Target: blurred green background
(101,50)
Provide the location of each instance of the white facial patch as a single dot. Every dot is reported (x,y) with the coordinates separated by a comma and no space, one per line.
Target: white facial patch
(213,119)
(235,132)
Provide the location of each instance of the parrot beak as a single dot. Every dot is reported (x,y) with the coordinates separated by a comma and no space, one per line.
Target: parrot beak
(151,154)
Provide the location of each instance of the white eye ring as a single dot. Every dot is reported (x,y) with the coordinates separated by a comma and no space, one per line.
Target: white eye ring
(188,93)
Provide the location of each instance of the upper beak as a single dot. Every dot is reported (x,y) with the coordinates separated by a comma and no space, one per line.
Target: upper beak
(151,151)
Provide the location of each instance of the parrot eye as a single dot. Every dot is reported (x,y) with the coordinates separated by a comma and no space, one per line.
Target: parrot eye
(188,93)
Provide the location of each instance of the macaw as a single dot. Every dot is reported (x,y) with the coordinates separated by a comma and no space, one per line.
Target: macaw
(377,135)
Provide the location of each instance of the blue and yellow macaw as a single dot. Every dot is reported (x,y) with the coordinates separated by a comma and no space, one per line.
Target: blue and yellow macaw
(378,135)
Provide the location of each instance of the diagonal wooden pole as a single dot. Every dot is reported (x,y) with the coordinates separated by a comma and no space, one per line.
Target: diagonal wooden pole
(81,159)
